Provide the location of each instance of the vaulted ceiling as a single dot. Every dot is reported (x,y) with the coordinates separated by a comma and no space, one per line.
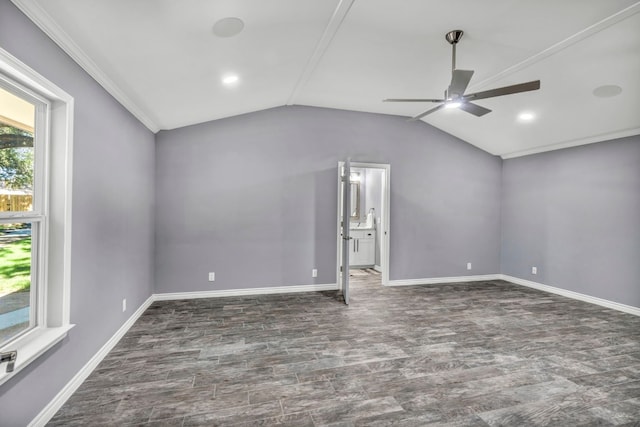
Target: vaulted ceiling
(163,61)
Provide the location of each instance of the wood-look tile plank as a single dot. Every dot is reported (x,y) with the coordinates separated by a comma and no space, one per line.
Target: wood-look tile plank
(483,353)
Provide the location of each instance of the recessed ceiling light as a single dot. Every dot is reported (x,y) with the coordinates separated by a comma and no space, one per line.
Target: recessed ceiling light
(228,27)
(607,91)
(526,117)
(230,79)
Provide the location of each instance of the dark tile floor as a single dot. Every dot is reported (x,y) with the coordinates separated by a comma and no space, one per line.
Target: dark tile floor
(477,354)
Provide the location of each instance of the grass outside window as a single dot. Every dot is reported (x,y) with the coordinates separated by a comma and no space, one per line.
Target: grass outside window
(15,264)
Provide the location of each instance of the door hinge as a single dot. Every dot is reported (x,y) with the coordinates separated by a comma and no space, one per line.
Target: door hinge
(9,356)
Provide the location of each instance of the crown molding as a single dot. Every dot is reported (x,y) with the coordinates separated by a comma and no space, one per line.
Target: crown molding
(573,143)
(45,22)
(552,50)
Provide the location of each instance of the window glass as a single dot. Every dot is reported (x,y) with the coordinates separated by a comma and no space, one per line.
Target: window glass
(17,249)
(15,279)
(16,153)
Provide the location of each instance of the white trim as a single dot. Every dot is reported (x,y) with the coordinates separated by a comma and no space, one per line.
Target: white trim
(32,345)
(438,280)
(43,20)
(383,231)
(242,292)
(522,282)
(62,124)
(338,225)
(54,306)
(339,13)
(573,143)
(63,395)
(574,38)
(540,56)
(571,294)
(377,268)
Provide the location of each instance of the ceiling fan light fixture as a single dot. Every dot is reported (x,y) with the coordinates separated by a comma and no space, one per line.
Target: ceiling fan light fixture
(453,104)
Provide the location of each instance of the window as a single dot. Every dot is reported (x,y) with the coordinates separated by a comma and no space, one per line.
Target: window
(22,211)
(35,213)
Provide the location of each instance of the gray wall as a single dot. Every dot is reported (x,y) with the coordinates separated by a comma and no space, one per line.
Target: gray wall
(575,214)
(112,246)
(373,191)
(253,198)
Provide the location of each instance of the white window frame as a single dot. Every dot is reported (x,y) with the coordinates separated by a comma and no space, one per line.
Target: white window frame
(52,212)
(37,216)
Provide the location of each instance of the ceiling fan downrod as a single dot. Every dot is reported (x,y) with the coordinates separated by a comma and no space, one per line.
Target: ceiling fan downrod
(453,37)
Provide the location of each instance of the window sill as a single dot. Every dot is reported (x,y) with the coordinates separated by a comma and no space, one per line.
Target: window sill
(31,346)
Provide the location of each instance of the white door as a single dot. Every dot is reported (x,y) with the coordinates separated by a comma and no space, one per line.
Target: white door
(345,201)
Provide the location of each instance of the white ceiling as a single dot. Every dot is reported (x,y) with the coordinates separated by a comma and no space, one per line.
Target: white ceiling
(161,60)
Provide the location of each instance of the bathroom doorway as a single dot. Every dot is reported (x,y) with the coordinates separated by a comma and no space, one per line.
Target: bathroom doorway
(367,235)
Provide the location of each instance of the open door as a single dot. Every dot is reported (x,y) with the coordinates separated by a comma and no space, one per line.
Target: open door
(344,184)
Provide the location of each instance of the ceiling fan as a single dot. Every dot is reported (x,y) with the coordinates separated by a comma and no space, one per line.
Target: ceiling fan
(454,96)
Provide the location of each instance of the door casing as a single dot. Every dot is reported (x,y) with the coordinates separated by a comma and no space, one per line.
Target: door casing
(385,231)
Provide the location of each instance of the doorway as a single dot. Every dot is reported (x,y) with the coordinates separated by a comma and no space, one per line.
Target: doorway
(366,229)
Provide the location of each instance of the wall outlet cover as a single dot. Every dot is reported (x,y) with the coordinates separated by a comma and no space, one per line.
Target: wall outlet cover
(314,272)
(212,276)
(468,266)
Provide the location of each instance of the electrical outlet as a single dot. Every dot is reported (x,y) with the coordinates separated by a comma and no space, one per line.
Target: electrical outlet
(124,305)
(534,270)
(314,272)
(212,276)
(468,266)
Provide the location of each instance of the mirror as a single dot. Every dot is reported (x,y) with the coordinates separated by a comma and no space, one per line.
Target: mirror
(354,179)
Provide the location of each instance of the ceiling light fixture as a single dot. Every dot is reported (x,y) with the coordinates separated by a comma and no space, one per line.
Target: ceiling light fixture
(452,104)
(526,117)
(228,27)
(230,79)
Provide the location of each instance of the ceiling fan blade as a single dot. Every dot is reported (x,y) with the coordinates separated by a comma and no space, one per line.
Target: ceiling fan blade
(459,82)
(433,110)
(474,109)
(411,100)
(507,90)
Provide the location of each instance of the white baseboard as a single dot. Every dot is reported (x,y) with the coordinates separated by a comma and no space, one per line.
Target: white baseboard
(377,268)
(523,282)
(56,403)
(436,280)
(241,292)
(571,294)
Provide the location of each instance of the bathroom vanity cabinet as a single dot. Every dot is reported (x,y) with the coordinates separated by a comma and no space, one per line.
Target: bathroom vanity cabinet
(363,248)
